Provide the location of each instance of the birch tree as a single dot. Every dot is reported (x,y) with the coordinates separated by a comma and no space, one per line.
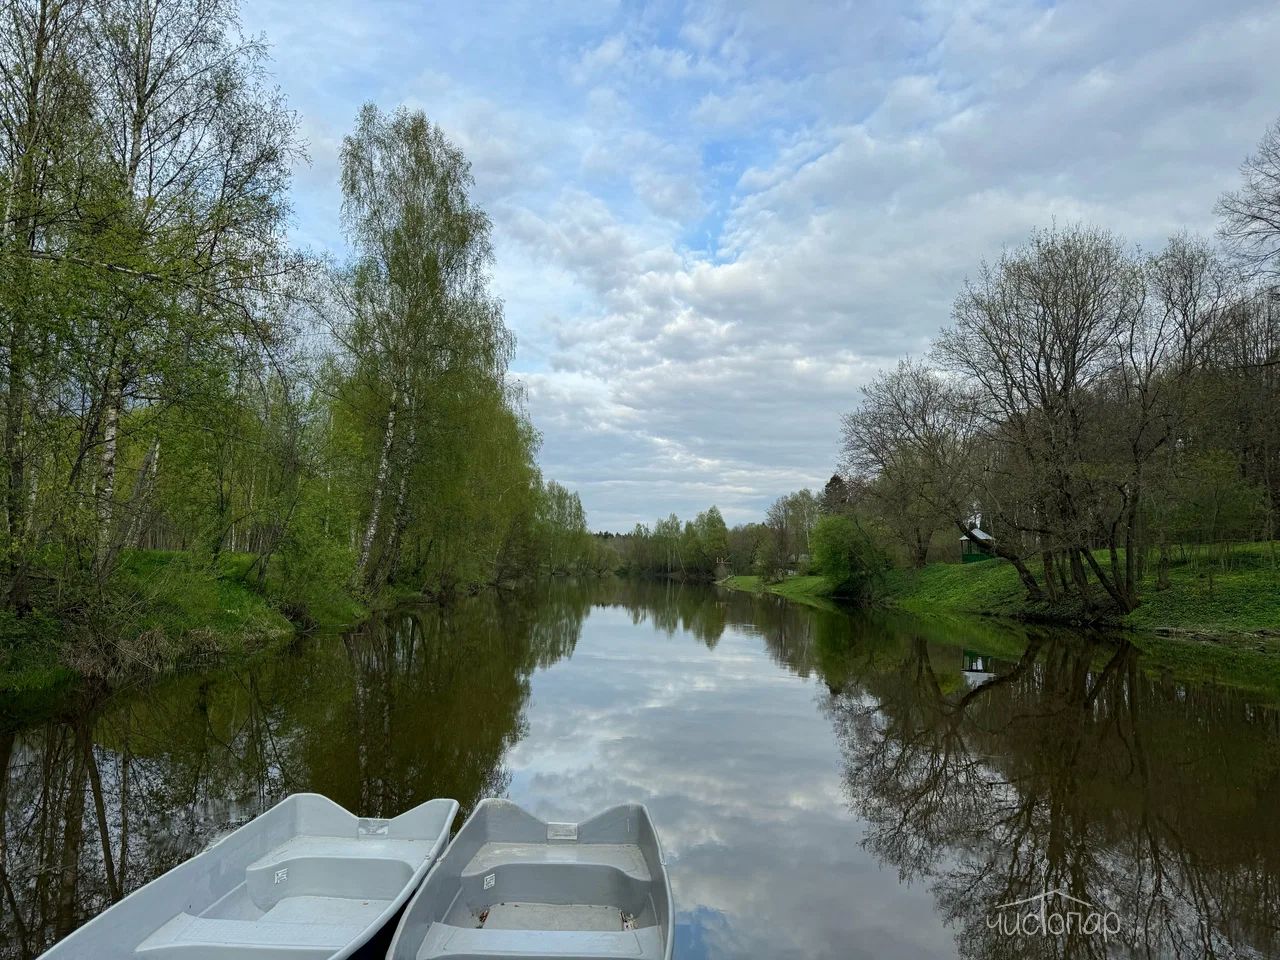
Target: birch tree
(419,315)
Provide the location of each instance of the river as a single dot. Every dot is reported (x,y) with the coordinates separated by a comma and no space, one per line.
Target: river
(825,784)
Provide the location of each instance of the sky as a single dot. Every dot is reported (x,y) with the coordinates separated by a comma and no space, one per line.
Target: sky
(714,222)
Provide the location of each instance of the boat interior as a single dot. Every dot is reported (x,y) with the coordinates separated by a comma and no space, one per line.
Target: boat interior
(512,885)
(306,898)
(306,880)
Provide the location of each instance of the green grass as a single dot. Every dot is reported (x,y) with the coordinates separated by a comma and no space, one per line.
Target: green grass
(169,591)
(164,611)
(1245,596)
(812,590)
(309,601)
(991,587)
(1238,595)
(29,662)
(1227,634)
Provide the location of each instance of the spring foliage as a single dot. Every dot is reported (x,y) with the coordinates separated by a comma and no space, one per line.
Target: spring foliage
(175,376)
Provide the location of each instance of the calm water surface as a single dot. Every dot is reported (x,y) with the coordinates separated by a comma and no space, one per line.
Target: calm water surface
(826,785)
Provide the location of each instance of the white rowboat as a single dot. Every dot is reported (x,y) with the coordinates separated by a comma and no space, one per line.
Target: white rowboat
(306,880)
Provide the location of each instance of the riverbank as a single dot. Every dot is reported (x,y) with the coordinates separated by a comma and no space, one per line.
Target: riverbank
(814,591)
(1236,597)
(1226,632)
(166,612)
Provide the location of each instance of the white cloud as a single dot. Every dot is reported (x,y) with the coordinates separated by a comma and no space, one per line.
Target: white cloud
(714,224)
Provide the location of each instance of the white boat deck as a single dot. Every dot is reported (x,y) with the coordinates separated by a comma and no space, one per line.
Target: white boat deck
(554,916)
(188,936)
(305,898)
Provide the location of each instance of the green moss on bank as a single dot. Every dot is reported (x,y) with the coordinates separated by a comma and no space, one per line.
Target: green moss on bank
(29,662)
(991,587)
(311,602)
(1245,596)
(171,593)
(1236,598)
(1216,621)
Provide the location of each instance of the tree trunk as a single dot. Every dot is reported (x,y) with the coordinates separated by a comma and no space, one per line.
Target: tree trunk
(1121,602)
(1077,572)
(379,490)
(15,411)
(141,492)
(100,812)
(107,476)
(920,555)
(72,840)
(1131,544)
(1062,562)
(1050,572)
(399,522)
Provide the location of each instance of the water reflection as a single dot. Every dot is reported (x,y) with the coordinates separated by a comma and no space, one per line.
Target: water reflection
(1070,769)
(108,792)
(969,766)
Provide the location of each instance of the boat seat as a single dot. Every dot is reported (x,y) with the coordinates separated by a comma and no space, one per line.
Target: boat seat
(366,868)
(443,941)
(623,857)
(200,938)
(412,852)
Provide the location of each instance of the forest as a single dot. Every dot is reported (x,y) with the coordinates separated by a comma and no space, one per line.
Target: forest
(192,406)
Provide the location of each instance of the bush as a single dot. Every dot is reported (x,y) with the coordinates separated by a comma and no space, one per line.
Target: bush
(847,557)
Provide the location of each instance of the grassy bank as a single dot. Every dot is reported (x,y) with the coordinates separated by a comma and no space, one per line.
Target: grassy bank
(1239,594)
(814,591)
(1225,631)
(165,611)
(1236,597)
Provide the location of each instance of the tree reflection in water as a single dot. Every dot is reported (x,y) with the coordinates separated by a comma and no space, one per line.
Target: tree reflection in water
(106,792)
(1069,769)
(991,764)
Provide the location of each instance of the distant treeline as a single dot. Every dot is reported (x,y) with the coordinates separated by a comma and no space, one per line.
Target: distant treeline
(174,375)
(803,533)
(705,548)
(1092,407)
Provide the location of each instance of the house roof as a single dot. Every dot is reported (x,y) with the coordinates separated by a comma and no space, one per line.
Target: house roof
(976,534)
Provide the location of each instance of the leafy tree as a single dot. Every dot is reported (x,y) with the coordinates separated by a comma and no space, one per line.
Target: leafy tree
(769,562)
(713,535)
(848,558)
